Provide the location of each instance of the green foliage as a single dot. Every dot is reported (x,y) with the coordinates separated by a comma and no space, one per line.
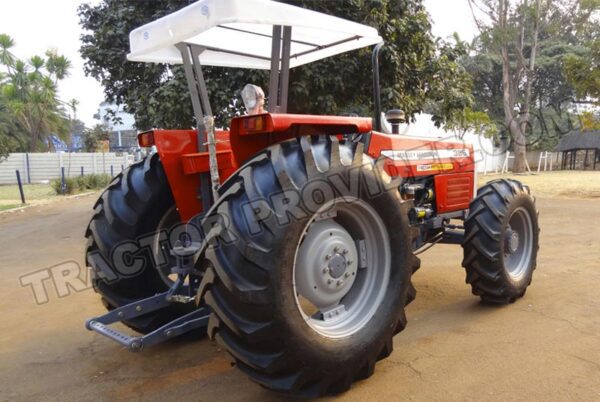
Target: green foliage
(472,120)
(583,71)
(417,71)
(10,139)
(6,57)
(562,73)
(70,186)
(92,137)
(589,121)
(547,125)
(93,181)
(78,184)
(29,99)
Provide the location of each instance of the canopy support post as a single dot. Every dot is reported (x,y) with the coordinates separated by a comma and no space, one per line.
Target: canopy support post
(274,78)
(285,69)
(280,69)
(190,55)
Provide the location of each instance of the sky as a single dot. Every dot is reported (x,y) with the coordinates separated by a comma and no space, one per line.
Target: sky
(38,25)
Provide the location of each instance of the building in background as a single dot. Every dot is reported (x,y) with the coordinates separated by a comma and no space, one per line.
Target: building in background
(120,124)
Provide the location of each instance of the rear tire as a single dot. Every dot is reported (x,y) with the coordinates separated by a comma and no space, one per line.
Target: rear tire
(253,289)
(134,205)
(501,241)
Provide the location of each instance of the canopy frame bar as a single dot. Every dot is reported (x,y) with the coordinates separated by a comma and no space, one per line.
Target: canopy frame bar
(190,55)
(300,42)
(280,69)
(274,77)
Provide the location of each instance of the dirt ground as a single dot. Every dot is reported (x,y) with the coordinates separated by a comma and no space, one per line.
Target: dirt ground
(546,346)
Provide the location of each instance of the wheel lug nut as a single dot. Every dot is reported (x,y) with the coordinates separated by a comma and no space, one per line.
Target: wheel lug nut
(329,281)
(325,270)
(349,262)
(328,256)
(345,252)
(336,249)
(339,283)
(347,274)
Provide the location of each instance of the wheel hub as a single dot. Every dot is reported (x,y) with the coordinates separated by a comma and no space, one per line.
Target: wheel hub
(337,266)
(512,241)
(326,264)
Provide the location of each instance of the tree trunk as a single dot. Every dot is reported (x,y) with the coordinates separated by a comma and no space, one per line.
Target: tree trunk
(520,155)
(512,125)
(33,142)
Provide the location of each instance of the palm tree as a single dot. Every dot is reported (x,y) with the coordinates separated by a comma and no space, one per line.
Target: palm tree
(6,57)
(19,79)
(73,103)
(30,96)
(35,106)
(57,65)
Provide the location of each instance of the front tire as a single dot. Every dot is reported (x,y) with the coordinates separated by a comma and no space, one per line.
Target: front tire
(501,241)
(256,288)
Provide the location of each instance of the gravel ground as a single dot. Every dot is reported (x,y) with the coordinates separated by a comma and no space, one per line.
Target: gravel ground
(546,346)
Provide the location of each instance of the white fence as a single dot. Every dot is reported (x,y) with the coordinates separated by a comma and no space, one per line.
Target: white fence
(493,163)
(41,167)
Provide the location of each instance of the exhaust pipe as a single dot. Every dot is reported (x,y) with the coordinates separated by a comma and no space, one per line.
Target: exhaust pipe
(376,89)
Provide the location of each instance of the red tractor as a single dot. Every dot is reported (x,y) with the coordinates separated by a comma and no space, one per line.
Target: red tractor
(290,239)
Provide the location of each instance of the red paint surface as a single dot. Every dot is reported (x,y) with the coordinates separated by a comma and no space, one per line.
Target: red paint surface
(448,199)
(178,151)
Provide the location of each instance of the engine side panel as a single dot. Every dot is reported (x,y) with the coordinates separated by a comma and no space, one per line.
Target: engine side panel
(451,163)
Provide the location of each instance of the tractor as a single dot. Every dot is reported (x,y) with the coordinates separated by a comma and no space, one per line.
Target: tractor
(290,239)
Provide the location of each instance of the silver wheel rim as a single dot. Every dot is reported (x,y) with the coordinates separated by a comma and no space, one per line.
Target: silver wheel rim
(518,244)
(342,268)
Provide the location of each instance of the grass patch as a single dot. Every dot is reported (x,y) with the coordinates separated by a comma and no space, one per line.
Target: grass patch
(562,183)
(4,207)
(74,185)
(40,193)
(9,194)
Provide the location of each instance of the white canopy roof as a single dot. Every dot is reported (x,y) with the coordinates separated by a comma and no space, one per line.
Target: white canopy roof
(237,33)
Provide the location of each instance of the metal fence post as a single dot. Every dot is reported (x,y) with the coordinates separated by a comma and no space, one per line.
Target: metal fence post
(63,183)
(20,187)
(112,173)
(82,171)
(27,168)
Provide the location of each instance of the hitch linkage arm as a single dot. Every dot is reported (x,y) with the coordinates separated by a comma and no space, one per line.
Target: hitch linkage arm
(186,258)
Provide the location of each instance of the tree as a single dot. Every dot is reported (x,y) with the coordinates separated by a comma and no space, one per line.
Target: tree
(472,120)
(6,57)
(589,121)
(57,65)
(506,35)
(72,104)
(29,91)
(10,139)
(93,136)
(584,72)
(564,27)
(416,69)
